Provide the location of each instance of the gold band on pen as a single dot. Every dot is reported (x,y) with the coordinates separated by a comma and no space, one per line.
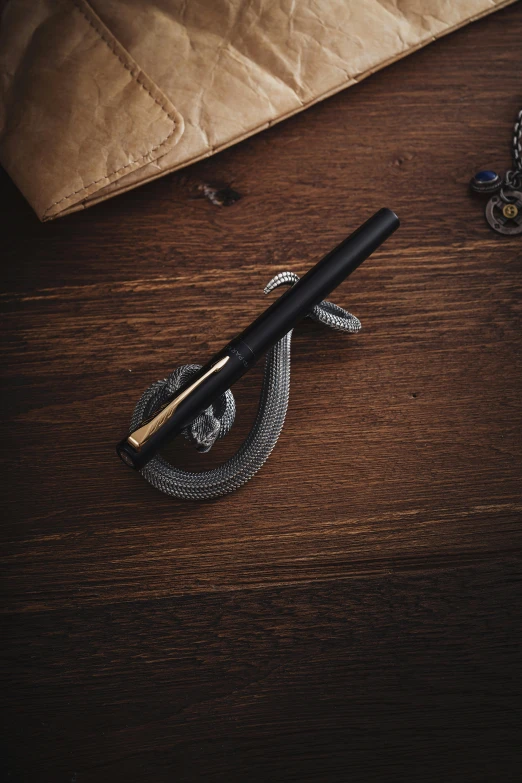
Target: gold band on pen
(141,435)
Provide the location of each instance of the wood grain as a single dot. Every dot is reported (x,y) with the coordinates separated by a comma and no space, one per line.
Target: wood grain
(354,612)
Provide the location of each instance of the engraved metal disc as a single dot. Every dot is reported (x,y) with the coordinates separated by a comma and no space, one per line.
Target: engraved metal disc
(505,220)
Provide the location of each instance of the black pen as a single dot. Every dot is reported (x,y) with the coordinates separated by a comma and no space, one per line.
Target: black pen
(233,361)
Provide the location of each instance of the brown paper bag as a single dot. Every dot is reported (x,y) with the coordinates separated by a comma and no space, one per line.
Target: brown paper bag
(99,97)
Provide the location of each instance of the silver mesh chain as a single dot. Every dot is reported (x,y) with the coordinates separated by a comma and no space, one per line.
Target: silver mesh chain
(217,420)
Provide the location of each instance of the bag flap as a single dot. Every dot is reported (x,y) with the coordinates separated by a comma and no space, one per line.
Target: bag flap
(78,111)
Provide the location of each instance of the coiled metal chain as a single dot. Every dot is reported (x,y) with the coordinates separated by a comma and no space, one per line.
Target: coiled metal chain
(517,142)
(513,178)
(217,420)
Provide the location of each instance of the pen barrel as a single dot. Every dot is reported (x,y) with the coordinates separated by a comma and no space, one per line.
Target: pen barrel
(318,283)
(226,367)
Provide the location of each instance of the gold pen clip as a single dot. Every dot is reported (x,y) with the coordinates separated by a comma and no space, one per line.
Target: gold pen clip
(141,435)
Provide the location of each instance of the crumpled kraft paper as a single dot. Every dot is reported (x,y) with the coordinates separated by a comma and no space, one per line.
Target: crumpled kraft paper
(98,97)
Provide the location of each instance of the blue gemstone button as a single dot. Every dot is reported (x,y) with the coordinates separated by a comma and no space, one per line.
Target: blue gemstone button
(485,176)
(485,181)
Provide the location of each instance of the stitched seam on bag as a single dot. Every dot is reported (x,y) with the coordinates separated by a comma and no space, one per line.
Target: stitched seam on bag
(110,44)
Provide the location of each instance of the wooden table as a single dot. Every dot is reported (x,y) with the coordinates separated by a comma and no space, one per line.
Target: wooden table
(353,614)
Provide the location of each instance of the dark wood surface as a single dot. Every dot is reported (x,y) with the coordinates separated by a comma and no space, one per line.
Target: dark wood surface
(353,614)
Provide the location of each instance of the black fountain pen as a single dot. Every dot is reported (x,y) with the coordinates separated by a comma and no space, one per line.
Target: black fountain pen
(233,361)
